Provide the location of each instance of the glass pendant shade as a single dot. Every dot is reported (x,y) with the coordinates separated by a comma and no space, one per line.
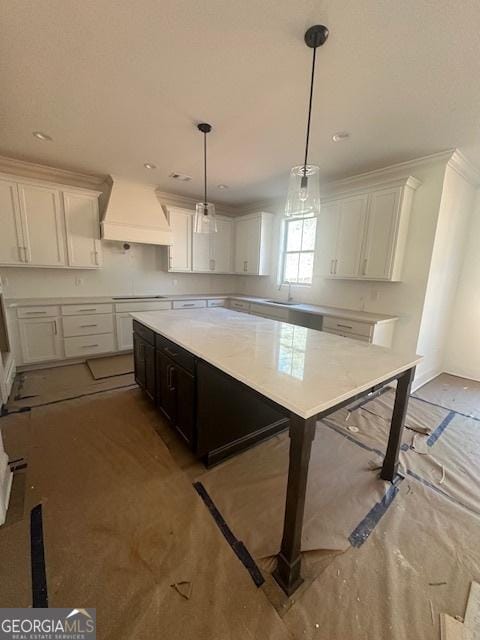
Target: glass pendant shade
(303,197)
(205,218)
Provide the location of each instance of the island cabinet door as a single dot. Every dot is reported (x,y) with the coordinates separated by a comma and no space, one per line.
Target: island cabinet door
(176,396)
(144,359)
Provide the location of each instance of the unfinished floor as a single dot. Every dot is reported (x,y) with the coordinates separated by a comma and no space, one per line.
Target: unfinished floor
(126,529)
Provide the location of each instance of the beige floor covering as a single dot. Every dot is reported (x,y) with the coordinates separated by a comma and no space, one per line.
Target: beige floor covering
(108,522)
(453,392)
(42,386)
(111,366)
(121,524)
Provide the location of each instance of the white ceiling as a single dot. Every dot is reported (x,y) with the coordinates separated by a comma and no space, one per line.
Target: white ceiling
(119,83)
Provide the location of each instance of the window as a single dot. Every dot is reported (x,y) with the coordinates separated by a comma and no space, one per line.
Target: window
(299,250)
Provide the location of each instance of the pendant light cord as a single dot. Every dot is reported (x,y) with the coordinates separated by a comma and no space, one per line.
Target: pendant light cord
(309,111)
(205,168)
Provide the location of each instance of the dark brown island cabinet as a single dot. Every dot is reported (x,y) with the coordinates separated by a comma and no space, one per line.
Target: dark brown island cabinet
(215,414)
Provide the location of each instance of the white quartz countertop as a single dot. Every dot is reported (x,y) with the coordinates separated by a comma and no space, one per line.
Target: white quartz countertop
(312,309)
(303,370)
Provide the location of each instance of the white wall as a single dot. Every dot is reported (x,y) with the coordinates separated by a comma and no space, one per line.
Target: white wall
(405,298)
(137,271)
(456,207)
(462,356)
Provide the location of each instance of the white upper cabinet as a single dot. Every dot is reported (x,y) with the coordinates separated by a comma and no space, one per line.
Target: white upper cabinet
(348,248)
(223,246)
(83,230)
(180,252)
(253,244)
(43,225)
(202,252)
(11,235)
(364,235)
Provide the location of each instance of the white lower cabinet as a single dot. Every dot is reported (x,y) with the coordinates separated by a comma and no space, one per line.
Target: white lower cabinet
(40,339)
(124,322)
(89,345)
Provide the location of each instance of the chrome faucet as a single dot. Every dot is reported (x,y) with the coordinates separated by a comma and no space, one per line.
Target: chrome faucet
(289,296)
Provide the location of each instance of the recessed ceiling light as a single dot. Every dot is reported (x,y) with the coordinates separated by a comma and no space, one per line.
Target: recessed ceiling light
(340,136)
(180,176)
(149,165)
(41,136)
(222,187)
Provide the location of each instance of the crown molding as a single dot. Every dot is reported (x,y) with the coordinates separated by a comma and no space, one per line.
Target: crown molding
(462,165)
(36,171)
(185,202)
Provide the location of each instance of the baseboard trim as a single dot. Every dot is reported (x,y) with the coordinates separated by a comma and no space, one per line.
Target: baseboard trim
(463,374)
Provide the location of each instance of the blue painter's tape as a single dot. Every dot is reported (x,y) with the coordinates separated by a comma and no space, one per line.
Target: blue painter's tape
(238,547)
(368,524)
(435,435)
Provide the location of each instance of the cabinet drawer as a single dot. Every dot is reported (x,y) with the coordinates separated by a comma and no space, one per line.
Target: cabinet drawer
(88,345)
(37,312)
(266,311)
(177,354)
(344,334)
(189,304)
(240,305)
(348,326)
(144,332)
(216,303)
(129,307)
(87,325)
(77,309)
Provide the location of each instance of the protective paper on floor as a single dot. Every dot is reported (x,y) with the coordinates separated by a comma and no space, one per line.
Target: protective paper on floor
(370,424)
(41,386)
(453,462)
(418,562)
(250,489)
(122,524)
(452,392)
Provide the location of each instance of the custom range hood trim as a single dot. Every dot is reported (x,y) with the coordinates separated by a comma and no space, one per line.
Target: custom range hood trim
(134,213)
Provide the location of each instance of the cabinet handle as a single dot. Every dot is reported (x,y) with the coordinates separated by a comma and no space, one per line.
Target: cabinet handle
(335,268)
(184,306)
(170,384)
(81,310)
(89,346)
(35,313)
(88,326)
(344,326)
(55,331)
(174,354)
(364,268)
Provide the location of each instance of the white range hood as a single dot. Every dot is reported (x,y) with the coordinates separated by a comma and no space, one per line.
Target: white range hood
(134,214)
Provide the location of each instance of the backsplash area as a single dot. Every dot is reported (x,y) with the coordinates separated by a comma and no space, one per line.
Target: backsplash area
(132,272)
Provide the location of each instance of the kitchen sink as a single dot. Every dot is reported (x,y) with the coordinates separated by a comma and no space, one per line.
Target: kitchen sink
(288,304)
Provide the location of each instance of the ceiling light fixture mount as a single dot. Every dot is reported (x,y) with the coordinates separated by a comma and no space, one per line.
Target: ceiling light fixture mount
(340,136)
(41,136)
(149,165)
(205,218)
(304,186)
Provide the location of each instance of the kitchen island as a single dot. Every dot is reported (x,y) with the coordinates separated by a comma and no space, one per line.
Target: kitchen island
(227,380)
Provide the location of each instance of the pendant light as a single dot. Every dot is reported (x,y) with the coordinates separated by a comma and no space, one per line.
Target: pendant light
(304,186)
(205,220)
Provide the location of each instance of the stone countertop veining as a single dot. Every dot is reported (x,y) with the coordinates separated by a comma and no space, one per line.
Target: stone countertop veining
(322,310)
(303,370)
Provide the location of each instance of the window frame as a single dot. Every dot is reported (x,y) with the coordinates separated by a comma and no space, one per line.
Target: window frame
(285,253)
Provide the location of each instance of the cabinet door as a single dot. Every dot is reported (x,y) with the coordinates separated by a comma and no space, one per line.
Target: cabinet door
(202,252)
(326,242)
(247,245)
(180,252)
(83,230)
(166,399)
(183,384)
(43,225)
(223,248)
(351,228)
(39,339)
(150,387)
(139,361)
(124,322)
(381,230)
(11,235)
